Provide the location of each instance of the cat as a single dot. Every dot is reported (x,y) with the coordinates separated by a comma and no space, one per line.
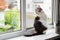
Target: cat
(39,27)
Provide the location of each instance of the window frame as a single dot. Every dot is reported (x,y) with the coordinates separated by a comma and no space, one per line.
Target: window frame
(23,16)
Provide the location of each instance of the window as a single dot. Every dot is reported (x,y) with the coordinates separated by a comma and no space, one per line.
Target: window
(18,15)
(10,18)
(31,5)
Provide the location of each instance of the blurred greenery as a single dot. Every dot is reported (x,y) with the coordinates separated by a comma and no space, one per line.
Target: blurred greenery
(12,20)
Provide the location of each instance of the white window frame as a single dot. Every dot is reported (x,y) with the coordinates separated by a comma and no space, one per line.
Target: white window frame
(55,10)
(23,13)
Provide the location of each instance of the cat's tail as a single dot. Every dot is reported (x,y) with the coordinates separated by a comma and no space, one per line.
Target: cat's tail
(35,34)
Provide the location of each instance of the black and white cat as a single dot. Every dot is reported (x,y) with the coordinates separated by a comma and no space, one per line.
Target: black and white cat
(39,27)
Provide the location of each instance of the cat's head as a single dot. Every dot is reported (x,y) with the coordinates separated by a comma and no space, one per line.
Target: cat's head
(37,18)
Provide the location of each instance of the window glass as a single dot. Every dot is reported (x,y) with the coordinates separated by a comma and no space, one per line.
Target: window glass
(10,15)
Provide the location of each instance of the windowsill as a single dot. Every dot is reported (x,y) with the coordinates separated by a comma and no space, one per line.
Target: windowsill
(49,35)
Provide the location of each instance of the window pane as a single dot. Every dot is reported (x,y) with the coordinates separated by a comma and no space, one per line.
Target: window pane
(9,15)
(32,5)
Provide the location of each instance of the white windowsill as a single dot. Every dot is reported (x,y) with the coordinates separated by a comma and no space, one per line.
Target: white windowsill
(50,34)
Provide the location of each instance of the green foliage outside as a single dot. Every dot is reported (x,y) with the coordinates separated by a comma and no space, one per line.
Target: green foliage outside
(12,20)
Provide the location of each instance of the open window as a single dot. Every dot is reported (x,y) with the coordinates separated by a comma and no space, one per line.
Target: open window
(46,6)
(50,7)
